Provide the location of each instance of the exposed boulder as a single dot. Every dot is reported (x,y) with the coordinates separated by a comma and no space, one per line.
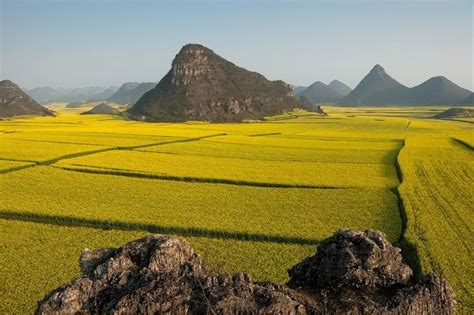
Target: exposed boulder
(201,85)
(352,273)
(352,259)
(15,102)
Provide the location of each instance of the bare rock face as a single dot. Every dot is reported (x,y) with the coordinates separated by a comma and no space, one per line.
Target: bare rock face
(352,259)
(352,273)
(201,85)
(15,102)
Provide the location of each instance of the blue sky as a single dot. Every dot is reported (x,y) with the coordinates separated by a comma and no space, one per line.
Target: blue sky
(84,43)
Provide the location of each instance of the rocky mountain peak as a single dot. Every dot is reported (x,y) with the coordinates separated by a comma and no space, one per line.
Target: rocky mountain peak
(202,85)
(193,62)
(15,102)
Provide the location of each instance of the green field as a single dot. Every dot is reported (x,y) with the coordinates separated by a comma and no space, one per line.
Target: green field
(254,197)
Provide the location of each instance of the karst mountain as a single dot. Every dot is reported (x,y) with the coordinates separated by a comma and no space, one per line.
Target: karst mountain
(15,102)
(202,85)
(379,88)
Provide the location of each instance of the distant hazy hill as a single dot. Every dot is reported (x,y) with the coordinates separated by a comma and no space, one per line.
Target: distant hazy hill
(456,112)
(374,88)
(131,92)
(102,96)
(340,87)
(48,94)
(15,102)
(378,88)
(74,104)
(468,100)
(102,108)
(43,94)
(319,92)
(437,91)
(202,85)
(298,89)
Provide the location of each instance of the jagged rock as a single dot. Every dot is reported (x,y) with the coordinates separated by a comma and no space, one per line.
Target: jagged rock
(352,259)
(15,102)
(352,273)
(201,85)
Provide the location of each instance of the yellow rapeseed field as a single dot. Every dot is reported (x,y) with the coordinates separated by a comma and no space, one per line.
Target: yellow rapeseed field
(254,197)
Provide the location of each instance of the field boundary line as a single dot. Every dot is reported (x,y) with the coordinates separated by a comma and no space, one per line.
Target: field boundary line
(190,179)
(64,220)
(103,149)
(134,147)
(463,144)
(410,250)
(17,168)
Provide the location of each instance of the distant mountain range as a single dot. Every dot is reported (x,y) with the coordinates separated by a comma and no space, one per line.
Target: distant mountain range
(297,89)
(131,92)
(48,94)
(319,92)
(379,88)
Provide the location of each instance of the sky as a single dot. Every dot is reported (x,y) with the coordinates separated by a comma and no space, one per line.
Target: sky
(73,43)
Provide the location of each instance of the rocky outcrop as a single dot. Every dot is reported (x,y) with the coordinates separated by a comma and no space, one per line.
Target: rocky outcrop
(204,86)
(351,273)
(15,102)
(457,112)
(102,108)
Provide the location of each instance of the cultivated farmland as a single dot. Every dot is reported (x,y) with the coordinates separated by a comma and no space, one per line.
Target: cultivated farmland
(254,197)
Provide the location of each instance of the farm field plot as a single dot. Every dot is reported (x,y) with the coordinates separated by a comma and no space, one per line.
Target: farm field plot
(241,170)
(86,138)
(234,193)
(40,152)
(385,154)
(30,255)
(438,197)
(255,212)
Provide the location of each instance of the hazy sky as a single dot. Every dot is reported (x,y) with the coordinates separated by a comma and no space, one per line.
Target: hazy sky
(84,43)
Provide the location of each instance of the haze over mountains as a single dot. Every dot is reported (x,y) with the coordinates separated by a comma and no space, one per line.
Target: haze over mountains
(340,87)
(319,92)
(379,88)
(15,102)
(201,85)
(131,92)
(48,94)
(468,100)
